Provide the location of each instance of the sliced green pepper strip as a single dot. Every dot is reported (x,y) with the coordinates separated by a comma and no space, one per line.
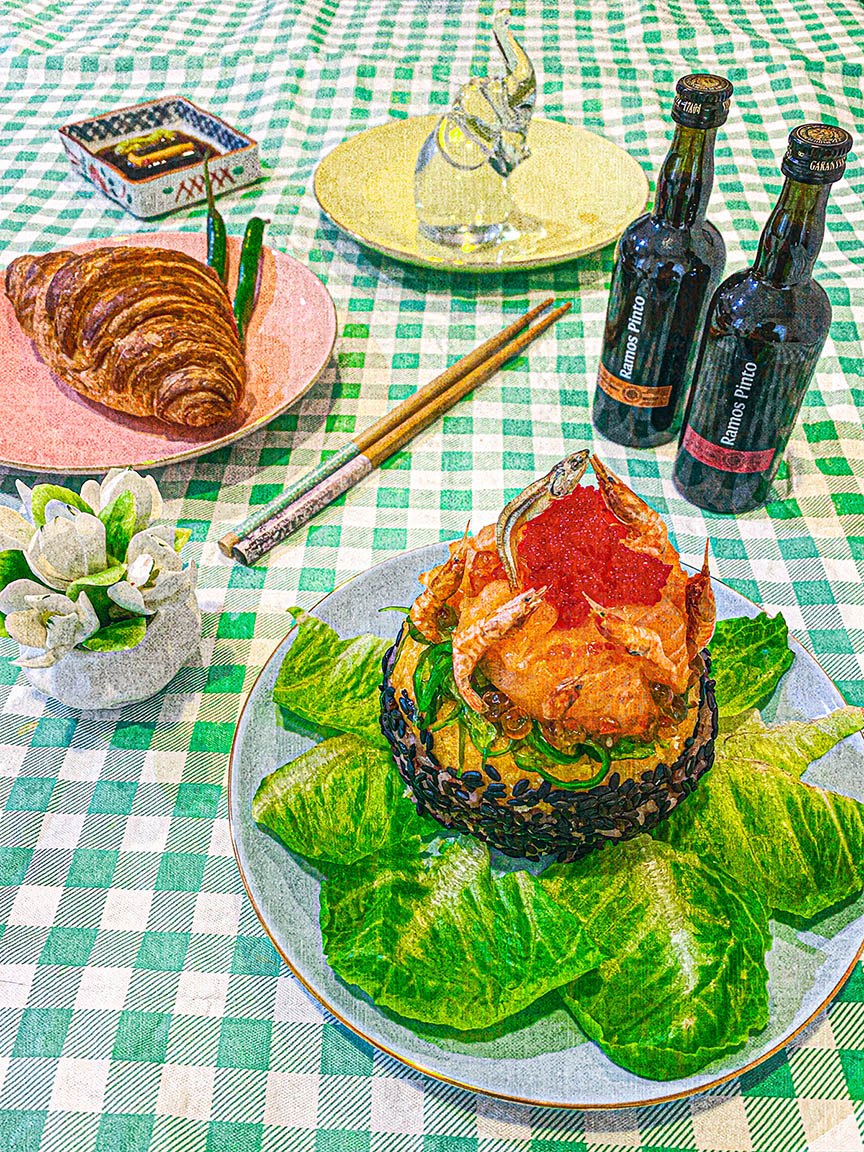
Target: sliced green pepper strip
(437,658)
(550,752)
(449,719)
(568,785)
(632,750)
(217,239)
(247,278)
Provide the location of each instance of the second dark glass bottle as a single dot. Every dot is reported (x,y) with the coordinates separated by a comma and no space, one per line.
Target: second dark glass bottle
(763,338)
(669,262)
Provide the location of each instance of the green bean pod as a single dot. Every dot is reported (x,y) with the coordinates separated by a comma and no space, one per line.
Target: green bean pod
(217,239)
(247,278)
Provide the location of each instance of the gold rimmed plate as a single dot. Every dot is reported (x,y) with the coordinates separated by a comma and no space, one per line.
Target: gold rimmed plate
(48,427)
(539,1057)
(578,190)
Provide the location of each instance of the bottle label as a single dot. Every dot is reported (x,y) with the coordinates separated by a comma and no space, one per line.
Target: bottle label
(636,395)
(726,459)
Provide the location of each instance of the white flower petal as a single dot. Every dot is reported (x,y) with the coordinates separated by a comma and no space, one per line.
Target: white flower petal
(153,542)
(128,597)
(25,495)
(90,492)
(45,571)
(57,553)
(168,587)
(147,506)
(139,570)
(51,602)
(156,504)
(13,596)
(27,628)
(62,631)
(14,528)
(55,508)
(89,621)
(91,532)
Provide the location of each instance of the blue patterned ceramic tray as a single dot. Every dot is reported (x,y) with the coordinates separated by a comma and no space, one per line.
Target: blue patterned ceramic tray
(236,164)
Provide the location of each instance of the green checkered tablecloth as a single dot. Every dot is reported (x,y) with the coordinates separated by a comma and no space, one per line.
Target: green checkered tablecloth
(142,1008)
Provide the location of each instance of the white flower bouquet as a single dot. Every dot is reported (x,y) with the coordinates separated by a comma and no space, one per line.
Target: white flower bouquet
(95,592)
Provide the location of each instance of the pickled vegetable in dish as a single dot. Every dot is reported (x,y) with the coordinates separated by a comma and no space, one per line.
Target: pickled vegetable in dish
(159,151)
(552,680)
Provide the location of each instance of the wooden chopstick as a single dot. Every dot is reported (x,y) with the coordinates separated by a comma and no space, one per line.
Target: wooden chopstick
(380,428)
(284,517)
(382,449)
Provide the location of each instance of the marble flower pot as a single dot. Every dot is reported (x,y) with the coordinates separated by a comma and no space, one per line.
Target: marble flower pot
(86,680)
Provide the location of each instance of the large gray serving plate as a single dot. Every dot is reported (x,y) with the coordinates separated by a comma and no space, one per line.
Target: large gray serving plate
(544,1059)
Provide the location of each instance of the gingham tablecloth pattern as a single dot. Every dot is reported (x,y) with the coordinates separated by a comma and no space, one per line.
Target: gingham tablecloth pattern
(142,1007)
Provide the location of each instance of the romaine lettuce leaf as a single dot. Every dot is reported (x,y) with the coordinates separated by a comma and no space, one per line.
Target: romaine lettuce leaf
(683,980)
(338,802)
(443,940)
(791,746)
(333,682)
(798,848)
(748,657)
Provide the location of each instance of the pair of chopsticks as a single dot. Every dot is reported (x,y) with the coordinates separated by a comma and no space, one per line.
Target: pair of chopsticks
(272,523)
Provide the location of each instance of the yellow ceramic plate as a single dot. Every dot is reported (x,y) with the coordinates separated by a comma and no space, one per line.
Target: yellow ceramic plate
(582,188)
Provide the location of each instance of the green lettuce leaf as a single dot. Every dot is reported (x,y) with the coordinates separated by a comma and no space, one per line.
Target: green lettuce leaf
(333,682)
(338,802)
(683,981)
(119,519)
(118,637)
(796,847)
(42,493)
(103,579)
(748,657)
(440,939)
(791,746)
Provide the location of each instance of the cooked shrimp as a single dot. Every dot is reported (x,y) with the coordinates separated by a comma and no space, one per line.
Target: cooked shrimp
(441,583)
(639,641)
(701,611)
(647,532)
(470,642)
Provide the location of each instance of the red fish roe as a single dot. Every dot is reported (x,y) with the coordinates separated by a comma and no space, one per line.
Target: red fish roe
(575,547)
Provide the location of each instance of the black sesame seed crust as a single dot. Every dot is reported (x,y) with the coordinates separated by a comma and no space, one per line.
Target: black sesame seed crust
(513,821)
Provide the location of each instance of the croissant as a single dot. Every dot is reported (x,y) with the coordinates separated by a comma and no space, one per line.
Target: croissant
(142,330)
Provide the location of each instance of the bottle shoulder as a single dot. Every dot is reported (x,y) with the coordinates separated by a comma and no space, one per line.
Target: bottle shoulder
(750,306)
(649,242)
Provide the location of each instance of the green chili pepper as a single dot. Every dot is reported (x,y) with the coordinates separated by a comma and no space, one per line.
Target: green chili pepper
(217,240)
(247,277)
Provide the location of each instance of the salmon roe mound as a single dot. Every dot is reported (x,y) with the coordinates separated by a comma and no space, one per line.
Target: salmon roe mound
(575,546)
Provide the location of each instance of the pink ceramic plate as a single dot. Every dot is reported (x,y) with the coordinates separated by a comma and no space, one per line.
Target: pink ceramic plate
(48,427)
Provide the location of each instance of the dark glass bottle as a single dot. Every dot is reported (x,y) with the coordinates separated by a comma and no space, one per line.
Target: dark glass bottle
(765,332)
(669,262)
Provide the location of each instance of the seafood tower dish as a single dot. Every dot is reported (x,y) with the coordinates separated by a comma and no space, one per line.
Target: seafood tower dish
(550,689)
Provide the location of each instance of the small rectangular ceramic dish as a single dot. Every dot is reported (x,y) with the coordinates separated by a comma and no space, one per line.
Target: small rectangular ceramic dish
(150,157)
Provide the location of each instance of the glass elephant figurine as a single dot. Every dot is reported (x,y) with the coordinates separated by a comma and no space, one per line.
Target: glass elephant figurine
(460,181)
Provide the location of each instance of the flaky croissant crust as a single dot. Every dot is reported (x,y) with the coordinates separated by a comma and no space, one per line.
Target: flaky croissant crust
(148,331)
